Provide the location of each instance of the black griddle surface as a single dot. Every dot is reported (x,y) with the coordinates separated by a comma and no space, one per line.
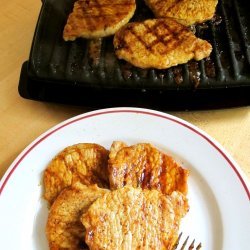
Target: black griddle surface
(64,72)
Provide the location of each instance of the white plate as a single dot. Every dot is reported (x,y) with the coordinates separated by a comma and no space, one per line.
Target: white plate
(218,192)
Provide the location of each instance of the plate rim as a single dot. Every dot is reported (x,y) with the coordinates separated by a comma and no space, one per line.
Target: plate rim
(219,148)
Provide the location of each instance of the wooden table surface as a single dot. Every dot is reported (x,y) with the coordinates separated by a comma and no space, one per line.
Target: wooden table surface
(23,120)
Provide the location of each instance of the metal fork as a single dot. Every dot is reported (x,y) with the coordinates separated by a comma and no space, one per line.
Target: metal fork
(185,244)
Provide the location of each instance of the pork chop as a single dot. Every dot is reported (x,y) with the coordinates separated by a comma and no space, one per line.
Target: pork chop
(159,43)
(132,218)
(142,165)
(64,229)
(97,18)
(84,162)
(187,12)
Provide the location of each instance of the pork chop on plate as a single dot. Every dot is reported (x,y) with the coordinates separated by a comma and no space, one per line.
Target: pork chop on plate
(64,229)
(132,218)
(83,162)
(143,165)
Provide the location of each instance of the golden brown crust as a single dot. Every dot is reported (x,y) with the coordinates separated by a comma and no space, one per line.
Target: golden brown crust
(115,148)
(84,162)
(97,18)
(64,229)
(159,43)
(142,165)
(187,12)
(132,218)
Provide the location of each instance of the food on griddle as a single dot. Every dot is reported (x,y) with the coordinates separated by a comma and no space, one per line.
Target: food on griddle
(97,18)
(64,229)
(187,12)
(83,162)
(94,52)
(142,165)
(132,218)
(159,43)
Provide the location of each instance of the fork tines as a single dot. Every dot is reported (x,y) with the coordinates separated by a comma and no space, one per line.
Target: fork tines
(185,244)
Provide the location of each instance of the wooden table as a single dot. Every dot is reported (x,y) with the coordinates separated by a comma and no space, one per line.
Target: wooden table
(23,120)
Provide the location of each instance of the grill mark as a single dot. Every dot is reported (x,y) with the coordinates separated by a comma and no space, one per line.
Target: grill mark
(89,22)
(121,41)
(126,176)
(99,8)
(174,36)
(163,175)
(149,30)
(139,38)
(146,176)
(159,38)
(153,31)
(122,44)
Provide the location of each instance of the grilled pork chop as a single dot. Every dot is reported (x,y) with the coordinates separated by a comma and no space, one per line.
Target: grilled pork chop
(97,18)
(187,12)
(84,162)
(159,43)
(132,218)
(142,165)
(64,229)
